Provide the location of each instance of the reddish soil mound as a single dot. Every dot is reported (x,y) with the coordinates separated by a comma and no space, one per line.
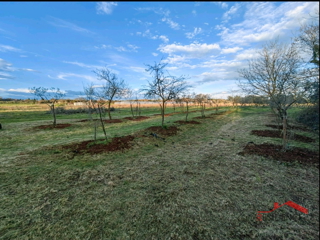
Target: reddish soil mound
(166,115)
(170,131)
(188,122)
(201,117)
(50,126)
(290,127)
(113,121)
(116,144)
(301,155)
(139,118)
(277,134)
(86,120)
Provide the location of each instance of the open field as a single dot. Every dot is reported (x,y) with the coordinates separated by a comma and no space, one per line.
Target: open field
(193,185)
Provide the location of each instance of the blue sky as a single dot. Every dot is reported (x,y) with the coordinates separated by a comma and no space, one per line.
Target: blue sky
(59,44)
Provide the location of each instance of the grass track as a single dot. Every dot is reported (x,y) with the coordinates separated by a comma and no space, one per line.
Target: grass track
(193,186)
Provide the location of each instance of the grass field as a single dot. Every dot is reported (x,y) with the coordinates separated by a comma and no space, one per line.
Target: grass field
(194,185)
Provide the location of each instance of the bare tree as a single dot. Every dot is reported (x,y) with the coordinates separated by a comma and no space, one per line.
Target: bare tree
(50,96)
(186,98)
(202,100)
(164,87)
(275,74)
(111,89)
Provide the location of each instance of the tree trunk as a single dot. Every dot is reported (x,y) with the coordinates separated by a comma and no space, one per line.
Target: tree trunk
(187,112)
(284,131)
(162,113)
(109,104)
(132,112)
(102,124)
(54,115)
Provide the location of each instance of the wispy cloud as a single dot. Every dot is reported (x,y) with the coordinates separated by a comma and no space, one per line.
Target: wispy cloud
(148,34)
(227,15)
(194,50)
(171,23)
(57,22)
(222,4)
(128,48)
(231,50)
(7,48)
(6,67)
(195,32)
(64,76)
(265,21)
(105,7)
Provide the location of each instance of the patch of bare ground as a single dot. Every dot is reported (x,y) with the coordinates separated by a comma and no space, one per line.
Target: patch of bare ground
(113,121)
(277,134)
(87,120)
(50,126)
(187,122)
(166,115)
(139,118)
(169,131)
(290,127)
(116,144)
(294,154)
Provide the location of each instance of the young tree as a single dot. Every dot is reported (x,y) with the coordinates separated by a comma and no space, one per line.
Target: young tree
(50,97)
(202,100)
(164,87)
(275,74)
(186,98)
(111,89)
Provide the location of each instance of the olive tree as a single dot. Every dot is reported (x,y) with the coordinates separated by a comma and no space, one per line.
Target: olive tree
(50,96)
(275,73)
(163,86)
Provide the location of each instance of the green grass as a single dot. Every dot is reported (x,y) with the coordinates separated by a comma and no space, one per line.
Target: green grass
(193,186)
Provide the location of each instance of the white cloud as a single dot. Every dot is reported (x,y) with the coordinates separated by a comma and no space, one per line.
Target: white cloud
(83,65)
(63,76)
(231,50)
(7,48)
(24,90)
(155,54)
(222,4)
(129,48)
(266,21)
(64,24)
(194,12)
(105,7)
(148,34)
(247,54)
(193,50)
(171,23)
(195,32)
(227,15)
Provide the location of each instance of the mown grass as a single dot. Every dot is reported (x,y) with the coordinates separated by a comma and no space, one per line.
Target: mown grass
(192,186)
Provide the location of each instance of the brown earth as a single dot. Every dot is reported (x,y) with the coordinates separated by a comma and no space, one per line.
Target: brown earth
(290,127)
(86,120)
(50,126)
(116,144)
(169,131)
(166,115)
(277,134)
(113,121)
(187,122)
(139,118)
(293,154)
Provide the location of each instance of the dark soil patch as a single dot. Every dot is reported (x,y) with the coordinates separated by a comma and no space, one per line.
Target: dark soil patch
(116,144)
(187,122)
(169,131)
(50,126)
(277,134)
(87,120)
(139,118)
(294,154)
(166,115)
(113,121)
(290,127)
(202,117)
